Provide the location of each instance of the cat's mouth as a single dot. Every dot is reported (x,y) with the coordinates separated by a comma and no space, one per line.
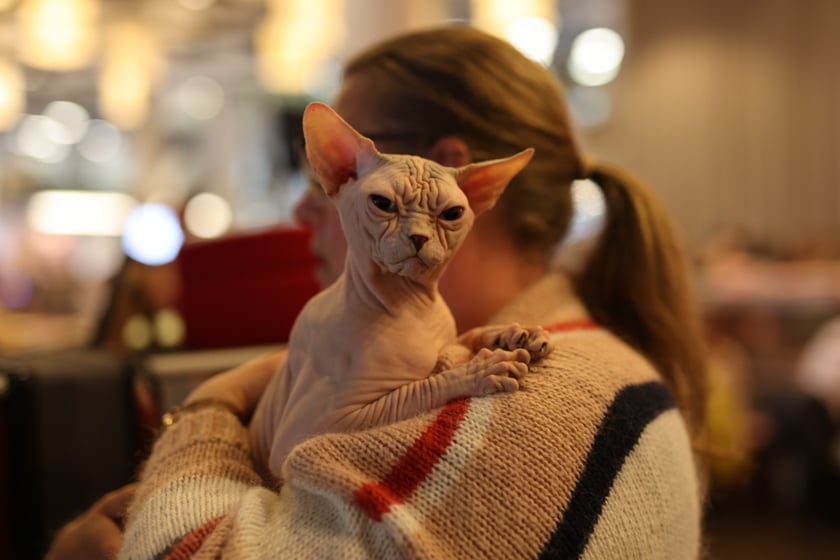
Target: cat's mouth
(410,262)
(411,267)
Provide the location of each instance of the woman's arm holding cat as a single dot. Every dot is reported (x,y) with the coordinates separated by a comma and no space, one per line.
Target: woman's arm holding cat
(199,468)
(240,387)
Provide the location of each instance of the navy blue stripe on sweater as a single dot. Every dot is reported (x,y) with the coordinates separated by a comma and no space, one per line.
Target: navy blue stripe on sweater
(633,408)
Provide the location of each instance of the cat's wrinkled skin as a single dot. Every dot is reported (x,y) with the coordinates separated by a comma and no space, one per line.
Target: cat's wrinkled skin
(379,345)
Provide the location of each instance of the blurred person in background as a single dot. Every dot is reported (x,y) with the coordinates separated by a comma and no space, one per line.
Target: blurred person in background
(592,457)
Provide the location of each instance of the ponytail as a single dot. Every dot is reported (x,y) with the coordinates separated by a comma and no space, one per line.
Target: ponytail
(637,284)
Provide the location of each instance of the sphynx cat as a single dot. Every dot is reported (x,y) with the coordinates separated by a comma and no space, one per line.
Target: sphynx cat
(380,345)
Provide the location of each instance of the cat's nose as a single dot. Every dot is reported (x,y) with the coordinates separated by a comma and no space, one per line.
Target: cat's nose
(418,240)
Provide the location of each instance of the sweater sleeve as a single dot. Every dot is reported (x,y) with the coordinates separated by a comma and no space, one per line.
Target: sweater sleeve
(200,497)
(193,481)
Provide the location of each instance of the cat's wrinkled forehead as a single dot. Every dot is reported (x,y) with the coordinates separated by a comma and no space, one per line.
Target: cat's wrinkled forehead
(413,176)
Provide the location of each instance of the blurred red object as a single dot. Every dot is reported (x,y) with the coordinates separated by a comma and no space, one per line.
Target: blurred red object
(246,288)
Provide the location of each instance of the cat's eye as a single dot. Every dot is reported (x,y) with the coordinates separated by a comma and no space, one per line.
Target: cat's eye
(451,214)
(383,203)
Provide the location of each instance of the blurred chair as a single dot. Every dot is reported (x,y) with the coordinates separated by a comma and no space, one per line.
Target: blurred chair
(69,435)
(245,289)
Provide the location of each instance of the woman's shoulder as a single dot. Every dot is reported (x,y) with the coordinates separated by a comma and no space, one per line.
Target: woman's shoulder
(599,398)
(591,355)
(602,425)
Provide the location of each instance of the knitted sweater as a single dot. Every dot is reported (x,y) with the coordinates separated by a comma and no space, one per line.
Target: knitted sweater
(589,459)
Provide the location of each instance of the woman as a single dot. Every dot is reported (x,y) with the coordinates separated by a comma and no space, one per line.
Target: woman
(592,458)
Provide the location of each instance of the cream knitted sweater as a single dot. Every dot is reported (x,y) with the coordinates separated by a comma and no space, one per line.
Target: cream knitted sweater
(589,459)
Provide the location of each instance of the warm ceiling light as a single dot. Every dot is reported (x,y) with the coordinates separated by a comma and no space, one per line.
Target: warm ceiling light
(296,37)
(12,96)
(596,56)
(58,34)
(79,212)
(535,37)
(496,16)
(131,66)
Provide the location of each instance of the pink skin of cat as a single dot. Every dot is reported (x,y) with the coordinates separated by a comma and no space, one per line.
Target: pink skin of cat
(380,344)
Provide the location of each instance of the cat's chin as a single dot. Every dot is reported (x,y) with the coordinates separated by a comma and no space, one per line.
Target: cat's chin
(412,267)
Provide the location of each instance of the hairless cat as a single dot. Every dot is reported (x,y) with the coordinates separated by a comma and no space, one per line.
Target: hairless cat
(380,344)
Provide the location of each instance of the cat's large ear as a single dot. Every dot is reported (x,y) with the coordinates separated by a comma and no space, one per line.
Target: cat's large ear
(335,150)
(484,182)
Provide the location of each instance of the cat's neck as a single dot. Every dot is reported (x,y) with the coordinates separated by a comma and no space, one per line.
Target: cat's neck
(386,292)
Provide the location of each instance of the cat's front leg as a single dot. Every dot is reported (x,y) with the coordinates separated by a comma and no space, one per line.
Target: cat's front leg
(536,340)
(489,371)
(451,356)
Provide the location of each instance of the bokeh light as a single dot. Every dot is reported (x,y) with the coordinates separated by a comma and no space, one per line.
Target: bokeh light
(535,37)
(596,56)
(129,68)
(102,143)
(12,94)
(137,332)
(58,34)
(293,38)
(34,139)
(589,209)
(169,328)
(207,215)
(72,122)
(79,212)
(152,234)
(200,97)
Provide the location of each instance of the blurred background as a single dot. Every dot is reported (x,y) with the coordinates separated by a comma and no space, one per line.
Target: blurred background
(148,171)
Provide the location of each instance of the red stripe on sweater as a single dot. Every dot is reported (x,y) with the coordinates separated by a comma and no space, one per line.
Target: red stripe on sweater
(191,542)
(576,325)
(376,498)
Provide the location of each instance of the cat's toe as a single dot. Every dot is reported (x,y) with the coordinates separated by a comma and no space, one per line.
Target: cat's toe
(539,343)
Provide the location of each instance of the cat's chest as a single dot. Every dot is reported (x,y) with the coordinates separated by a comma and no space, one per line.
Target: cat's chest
(384,348)
(349,343)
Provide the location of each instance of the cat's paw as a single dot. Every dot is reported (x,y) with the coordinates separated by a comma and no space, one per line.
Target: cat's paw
(535,340)
(496,371)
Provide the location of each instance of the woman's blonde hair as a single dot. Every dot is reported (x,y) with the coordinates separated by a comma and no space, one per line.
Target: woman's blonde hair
(463,82)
